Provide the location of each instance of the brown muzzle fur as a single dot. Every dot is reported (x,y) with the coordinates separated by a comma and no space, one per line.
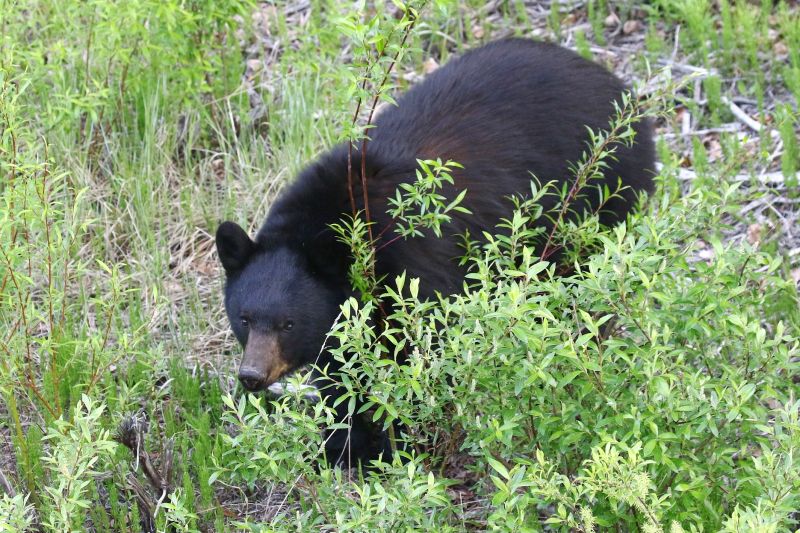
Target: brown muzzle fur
(263,363)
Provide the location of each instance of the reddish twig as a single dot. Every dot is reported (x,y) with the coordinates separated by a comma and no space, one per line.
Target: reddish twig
(365,140)
(43,198)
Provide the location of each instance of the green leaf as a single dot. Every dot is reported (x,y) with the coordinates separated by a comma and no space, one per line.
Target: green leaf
(498,467)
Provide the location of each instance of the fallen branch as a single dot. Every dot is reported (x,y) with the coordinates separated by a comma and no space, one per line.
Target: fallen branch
(725,128)
(768,178)
(739,113)
(7,486)
(131,433)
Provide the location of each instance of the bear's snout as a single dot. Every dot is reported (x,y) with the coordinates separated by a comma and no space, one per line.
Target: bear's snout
(251,379)
(263,363)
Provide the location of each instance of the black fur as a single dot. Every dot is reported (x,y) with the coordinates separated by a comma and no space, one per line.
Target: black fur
(503,111)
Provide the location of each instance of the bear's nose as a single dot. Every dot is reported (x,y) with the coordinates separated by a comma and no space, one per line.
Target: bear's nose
(251,379)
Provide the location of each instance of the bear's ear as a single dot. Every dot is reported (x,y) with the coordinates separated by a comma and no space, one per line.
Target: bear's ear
(234,247)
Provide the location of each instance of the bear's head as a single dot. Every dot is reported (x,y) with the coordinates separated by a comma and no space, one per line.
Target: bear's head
(279,308)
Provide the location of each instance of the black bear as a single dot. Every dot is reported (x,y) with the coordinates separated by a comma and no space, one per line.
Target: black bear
(504,111)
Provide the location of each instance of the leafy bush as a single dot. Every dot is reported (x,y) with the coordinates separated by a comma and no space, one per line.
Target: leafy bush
(15,514)
(80,450)
(636,350)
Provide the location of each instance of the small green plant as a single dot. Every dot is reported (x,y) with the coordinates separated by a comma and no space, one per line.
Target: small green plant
(554,19)
(713,88)
(179,517)
(419,205)
(15,514)
(265,443)
(582,45)
(596,12)
(608,475)
(416,207)
(788,121)
(379,44)
(698,23)
(79,450)
(354,232)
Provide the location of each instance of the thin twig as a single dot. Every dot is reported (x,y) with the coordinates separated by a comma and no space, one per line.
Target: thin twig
(6,484)
(365,140)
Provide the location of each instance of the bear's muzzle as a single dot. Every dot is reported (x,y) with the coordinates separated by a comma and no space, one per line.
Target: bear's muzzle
(263,363)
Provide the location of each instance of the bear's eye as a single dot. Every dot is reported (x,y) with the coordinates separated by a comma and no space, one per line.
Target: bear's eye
(288,325)
(245,323)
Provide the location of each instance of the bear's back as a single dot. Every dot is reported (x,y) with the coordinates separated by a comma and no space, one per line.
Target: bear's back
(504,111)
(516,98)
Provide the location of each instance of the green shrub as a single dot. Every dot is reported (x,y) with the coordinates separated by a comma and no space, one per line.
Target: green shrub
(686,362)
(15,514)
(79,450)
